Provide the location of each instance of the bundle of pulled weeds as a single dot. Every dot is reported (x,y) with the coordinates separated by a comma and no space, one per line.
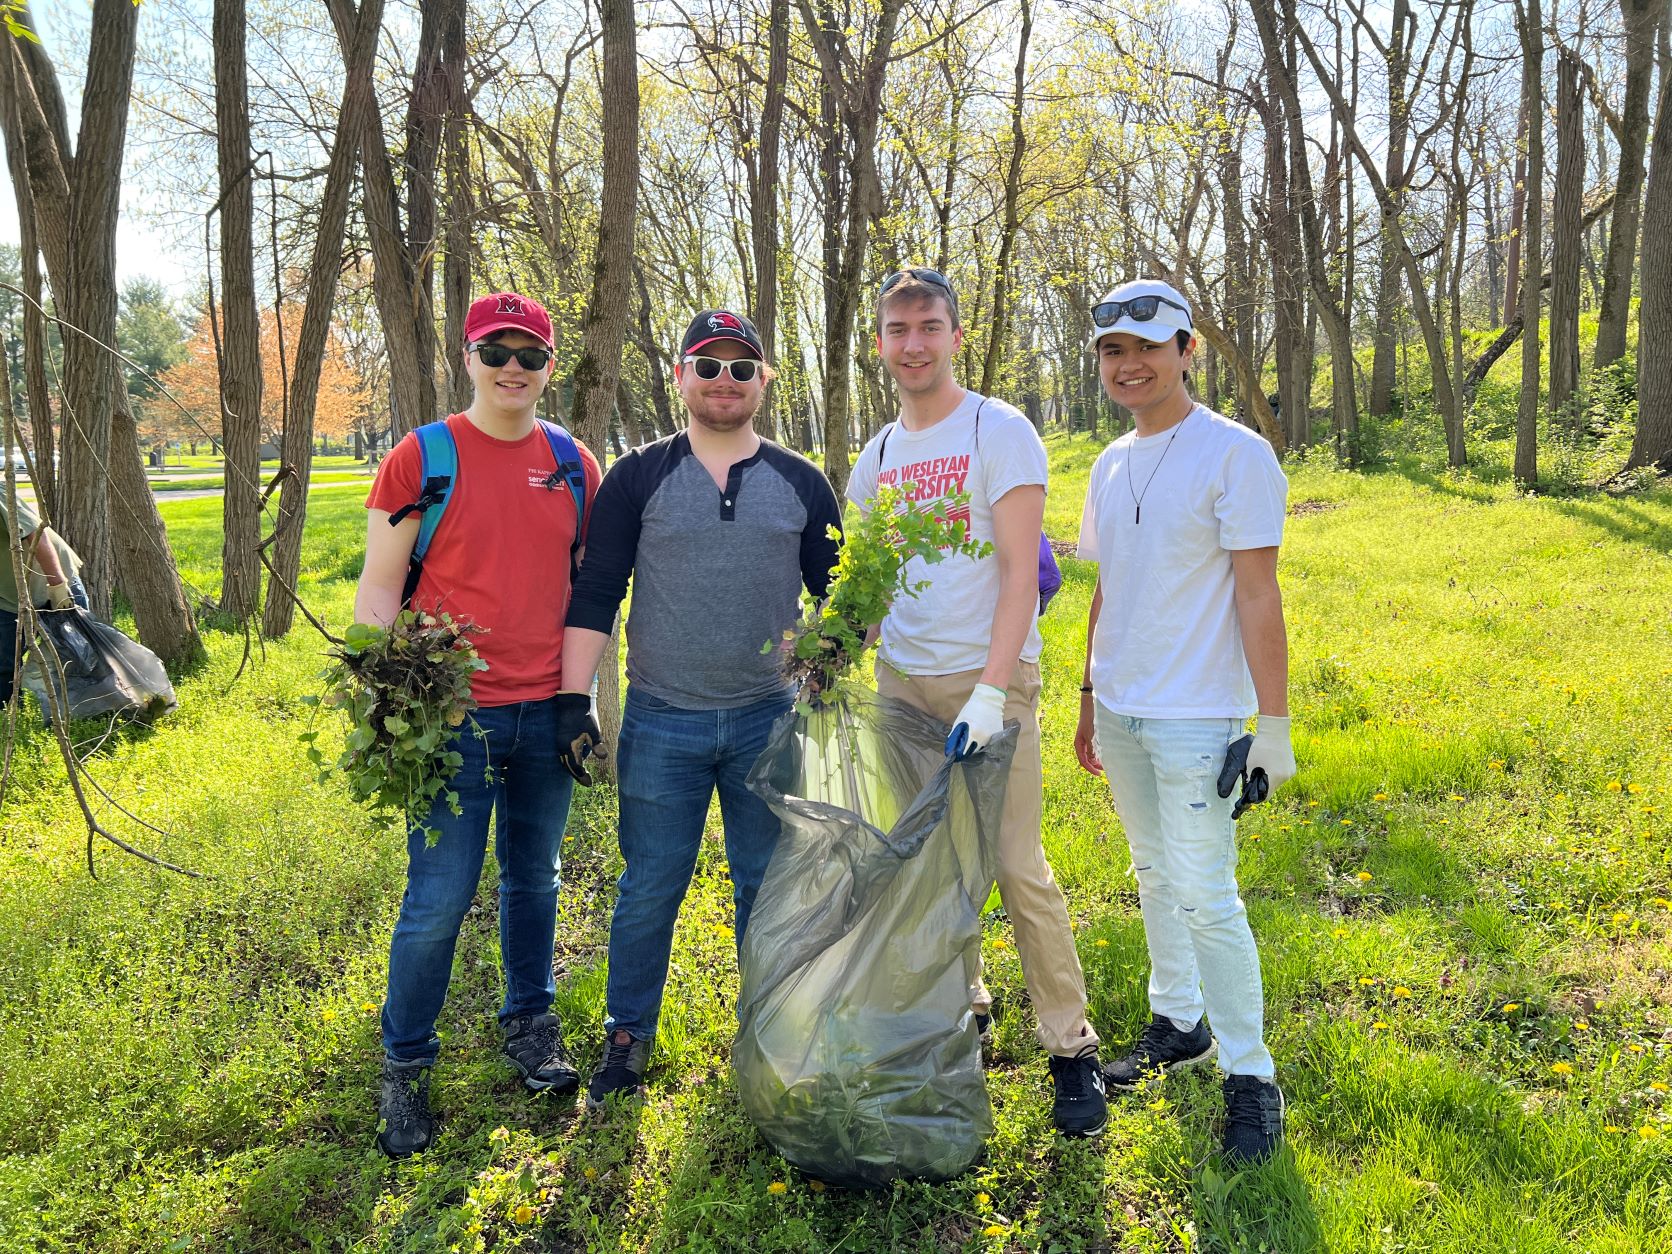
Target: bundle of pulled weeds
(406,691)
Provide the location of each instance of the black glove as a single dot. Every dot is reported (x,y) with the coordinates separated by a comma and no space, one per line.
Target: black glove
(1255,786)
(578,736)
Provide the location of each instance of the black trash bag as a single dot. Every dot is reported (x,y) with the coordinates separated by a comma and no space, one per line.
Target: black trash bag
(104,672)
(857,1054)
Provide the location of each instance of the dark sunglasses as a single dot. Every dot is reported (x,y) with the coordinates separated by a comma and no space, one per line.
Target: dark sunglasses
(741,369)
(496,355)
(921,273)
(1139,309)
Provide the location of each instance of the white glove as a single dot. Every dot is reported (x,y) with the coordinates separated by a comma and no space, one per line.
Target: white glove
(1271,751)
(979,721)
(58,595)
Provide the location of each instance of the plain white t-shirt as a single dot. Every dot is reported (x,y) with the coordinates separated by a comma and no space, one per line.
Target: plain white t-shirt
(947,627)
(1167,643)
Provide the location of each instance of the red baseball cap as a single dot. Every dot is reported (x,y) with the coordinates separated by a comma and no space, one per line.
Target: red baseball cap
(507,311)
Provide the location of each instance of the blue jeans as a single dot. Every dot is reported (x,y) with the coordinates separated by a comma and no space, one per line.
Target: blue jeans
(671,761)
(1163,773)
(8,636)
(511,768)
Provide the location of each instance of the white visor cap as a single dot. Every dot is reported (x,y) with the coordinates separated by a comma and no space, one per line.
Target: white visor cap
(1172,313)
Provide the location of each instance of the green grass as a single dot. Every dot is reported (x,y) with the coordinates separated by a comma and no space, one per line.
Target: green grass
(1480,822)
(214,483)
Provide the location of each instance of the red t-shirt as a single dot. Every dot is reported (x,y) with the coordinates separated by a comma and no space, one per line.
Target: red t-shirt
(500,558)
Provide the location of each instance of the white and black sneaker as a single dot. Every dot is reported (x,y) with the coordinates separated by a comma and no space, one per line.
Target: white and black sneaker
(1162,1047)
(1080,1108)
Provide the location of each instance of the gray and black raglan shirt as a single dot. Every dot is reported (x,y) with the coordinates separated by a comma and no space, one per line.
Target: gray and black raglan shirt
(716,573)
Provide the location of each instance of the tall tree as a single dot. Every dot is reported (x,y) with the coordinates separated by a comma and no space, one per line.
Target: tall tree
(764,179)
(1532,231)
(1565,212)
(1396,55)
(74,195)
(1643,18)
(852,99)
(999,316)
(323,273)
(241,333)
(1651,445)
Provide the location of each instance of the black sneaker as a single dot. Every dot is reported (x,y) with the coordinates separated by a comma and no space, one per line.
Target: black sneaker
(620,1070)
(1161,1047)
(534,1044)
(405,1124)
(1080,1108)
(1253,1118)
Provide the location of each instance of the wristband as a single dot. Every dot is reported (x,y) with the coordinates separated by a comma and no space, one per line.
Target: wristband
(1085,687)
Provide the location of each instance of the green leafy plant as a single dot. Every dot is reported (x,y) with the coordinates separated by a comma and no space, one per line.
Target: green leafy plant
(406,691)
(870,573)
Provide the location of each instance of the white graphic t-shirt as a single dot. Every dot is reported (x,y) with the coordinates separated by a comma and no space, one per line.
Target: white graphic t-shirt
(947,627)
(1167,643)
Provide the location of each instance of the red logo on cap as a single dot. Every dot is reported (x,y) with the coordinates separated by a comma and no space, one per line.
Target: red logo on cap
(723,322)
(511,305)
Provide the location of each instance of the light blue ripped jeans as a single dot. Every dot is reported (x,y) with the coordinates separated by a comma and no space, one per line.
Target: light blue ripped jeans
(1163,773)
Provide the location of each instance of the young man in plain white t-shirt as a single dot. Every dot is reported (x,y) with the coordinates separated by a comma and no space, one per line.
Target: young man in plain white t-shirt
(966,649)
(1185,639)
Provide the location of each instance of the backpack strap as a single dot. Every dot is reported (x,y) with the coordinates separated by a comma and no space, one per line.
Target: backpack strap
(440,472)
(571,471)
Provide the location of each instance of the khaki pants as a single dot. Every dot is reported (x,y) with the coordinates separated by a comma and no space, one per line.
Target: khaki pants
(1044,939)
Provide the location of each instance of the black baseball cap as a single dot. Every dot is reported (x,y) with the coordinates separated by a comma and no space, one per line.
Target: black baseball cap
(720,324)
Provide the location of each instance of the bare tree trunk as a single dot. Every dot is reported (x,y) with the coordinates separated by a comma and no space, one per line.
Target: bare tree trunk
(36,387)
(241,330)
(1532,104)
(999,322)
(1383,361)
(857,88)
(763,190)
(1652,443)
(1283,239)
(605,322)
(461,213)
(323,272)
(1642,19)
(1565,239)
(146,568)
(1517,225)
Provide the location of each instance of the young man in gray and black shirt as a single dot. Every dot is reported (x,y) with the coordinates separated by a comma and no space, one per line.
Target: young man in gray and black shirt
(719,530)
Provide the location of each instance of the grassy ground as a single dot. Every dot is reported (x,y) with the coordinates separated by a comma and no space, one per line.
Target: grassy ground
(213,483)
(1462,903)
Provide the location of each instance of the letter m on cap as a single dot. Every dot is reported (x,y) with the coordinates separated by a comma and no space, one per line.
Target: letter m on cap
(511,305)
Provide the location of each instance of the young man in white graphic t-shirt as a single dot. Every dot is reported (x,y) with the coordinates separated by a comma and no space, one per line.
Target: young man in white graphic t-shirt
(1186,639)
(966,648)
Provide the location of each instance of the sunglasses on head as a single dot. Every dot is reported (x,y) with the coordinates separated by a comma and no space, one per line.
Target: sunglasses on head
(923,275)
(496,355)
(741,369)
(1139,309)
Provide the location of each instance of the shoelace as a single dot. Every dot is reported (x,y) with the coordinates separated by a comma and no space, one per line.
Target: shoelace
(617,1053)
(1251,1109)
(1152,1042)
(1075,1077)
(411,1101)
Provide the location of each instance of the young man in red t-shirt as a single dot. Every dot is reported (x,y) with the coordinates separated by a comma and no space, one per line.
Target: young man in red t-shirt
(500,559)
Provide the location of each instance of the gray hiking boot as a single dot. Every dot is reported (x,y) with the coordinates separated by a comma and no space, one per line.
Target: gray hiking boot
(620,1070)
(1162,1047)
(534,1045)
(406,1125)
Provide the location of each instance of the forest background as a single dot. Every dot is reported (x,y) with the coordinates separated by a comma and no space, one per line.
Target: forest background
(1424,242)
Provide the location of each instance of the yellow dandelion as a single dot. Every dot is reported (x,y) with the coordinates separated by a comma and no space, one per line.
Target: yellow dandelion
(1648,1132)
(1612,1127)
(724,930)
(1366,980)
(816,1186)
(1581,1025)
(1510,1007)
(591,1173)
(1346,822)
(1340,933)
(1635,1049)
(1364,877)
(368,1006)
(1496,764)
(1621,917)
(1662,902)
(1313,805)
(1562,1068)
(1285,828)
(1614,785)
(1456,796)
(1381,796)
(993,1230)
(523,1214)
(328,1014)
(1400,991)
(777,1187)
(1634,789)
(1658,1086)
(1103,942)
(1561,796)
(999,943)
(1378,1025)
(981,1199)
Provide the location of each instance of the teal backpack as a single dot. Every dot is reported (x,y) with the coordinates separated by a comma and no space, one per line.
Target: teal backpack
(440,475)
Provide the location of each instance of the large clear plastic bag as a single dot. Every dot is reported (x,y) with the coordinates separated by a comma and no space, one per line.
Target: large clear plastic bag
(857,1054)
(103,672)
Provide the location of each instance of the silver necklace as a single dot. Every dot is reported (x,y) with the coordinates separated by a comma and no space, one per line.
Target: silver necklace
(1138,497)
